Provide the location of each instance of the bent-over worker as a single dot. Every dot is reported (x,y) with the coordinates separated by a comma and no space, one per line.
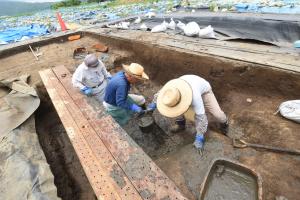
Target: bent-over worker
(91,77)
(190,92)
(117,102)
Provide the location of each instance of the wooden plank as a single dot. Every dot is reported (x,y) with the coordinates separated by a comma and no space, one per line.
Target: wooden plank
(100,167)
(145,175)
(119,179)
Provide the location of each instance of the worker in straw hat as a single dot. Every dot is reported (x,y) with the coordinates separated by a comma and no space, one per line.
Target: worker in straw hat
(91,77)
(190,93)
(117,102)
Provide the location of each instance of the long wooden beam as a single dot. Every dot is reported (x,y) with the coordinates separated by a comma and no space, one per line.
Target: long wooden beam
(104,174)
(150,181)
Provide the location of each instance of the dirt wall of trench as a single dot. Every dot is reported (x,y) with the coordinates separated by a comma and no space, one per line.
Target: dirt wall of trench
(164,64)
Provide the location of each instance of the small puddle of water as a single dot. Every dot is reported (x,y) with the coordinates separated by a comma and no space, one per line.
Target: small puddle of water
(229,184)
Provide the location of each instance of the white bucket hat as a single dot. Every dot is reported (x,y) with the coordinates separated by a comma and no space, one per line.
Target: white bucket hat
(175,98)
(136,70)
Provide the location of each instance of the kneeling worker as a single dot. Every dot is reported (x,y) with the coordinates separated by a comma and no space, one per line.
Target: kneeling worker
(117,102)
(91,77)
(194,92)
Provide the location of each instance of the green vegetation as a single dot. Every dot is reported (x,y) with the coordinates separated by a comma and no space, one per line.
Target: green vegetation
(66,3)
(18,8)
(113,3)
(94,1)
(69,3)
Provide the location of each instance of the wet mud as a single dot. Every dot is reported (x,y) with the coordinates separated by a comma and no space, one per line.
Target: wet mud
(227,183)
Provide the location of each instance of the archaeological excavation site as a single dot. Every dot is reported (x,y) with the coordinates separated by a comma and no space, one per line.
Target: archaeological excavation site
(77,151)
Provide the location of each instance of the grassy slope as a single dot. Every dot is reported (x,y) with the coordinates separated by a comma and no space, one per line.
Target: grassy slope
(122,2)
(16,8)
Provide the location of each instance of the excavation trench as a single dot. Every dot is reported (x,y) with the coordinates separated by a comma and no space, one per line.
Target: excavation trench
(249,94)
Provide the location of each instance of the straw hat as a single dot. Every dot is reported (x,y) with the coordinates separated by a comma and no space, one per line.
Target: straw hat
(136,70)
(174,98)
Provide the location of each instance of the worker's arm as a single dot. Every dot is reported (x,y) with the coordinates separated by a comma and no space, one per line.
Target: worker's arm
(77,78)
(106,74)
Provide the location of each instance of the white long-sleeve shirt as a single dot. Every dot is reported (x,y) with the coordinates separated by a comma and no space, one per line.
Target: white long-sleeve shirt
(90,77)
(199,87)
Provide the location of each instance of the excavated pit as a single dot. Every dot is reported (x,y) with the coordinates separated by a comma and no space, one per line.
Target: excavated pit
(248,93)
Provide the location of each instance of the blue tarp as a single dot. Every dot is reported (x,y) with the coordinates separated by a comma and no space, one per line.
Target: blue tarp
(253,7)
(16,34)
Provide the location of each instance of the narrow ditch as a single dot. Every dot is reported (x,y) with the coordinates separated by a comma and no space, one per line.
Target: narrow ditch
(70,178)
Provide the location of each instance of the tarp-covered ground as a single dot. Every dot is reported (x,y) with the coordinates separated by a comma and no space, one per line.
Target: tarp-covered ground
(24,171)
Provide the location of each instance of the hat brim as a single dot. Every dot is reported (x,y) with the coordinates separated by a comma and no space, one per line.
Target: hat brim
(144,76)
(95,65)
(186,97)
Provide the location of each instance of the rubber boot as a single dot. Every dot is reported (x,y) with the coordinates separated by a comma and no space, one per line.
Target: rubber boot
(224,127)
(179,125)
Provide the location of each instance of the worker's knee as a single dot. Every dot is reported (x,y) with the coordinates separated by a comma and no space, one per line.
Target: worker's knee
(138,99)
(220,116)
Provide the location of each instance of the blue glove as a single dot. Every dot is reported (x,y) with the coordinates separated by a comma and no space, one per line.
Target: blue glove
(199,141)
(109,78)
(151,106)
(87,91)
(136,108)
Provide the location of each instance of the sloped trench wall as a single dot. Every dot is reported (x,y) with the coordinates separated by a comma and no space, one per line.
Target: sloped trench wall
(164,64)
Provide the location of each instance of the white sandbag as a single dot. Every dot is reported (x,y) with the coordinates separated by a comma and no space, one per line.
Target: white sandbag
(159,28)
(171,25)
(3,42)
(150,15)
(180,25)
(144,27)
(165,23)
(207,32)
(122,25)
(138,20)
(125,25)
(191,29)
(112,26)
(290,110)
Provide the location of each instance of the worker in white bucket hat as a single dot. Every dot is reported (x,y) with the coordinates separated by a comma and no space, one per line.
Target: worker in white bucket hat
(190,93)
(117,102)
(91,77)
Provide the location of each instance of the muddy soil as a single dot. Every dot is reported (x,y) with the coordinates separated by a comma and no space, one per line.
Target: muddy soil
(249,95)
(233,83)
(252,121)
(224,179)
(57,53)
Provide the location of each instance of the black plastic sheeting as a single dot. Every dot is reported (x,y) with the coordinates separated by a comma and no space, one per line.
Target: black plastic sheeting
(277,31)
(265,30)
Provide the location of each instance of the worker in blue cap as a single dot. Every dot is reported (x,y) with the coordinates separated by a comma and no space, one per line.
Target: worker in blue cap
(91,77)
